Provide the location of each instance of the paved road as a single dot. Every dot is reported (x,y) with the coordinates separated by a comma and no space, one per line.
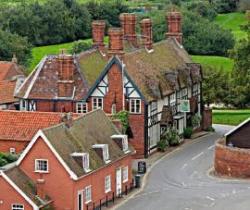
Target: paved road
(181,182)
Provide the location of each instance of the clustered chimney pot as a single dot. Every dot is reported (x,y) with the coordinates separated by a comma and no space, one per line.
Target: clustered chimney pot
(98,33)
(147,35)
(115,42)
(128,24)
(174,25)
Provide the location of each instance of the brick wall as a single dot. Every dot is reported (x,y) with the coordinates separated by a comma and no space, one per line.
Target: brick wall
(234,162)
(9,196)
(5,145)
(55,106)
(206,118)
(63,190)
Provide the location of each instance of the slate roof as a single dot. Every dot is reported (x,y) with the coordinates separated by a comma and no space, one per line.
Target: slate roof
(25,184)
(156,74)
(80,137)
(22,126)
(42,82)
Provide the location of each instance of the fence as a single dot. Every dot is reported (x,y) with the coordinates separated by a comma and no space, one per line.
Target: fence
(110,198)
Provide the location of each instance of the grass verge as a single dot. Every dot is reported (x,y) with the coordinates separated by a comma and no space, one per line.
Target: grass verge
(230,117)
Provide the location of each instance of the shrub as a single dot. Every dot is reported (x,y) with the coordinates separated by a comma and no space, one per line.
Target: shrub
(187,132)
(123,116)
(7,158)
(3,162)
(171,136)
(196,120)
(80,46)
(162,145)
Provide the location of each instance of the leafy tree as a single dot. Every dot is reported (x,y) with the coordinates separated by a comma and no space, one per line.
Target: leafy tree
(244,5)
(241,72)
(13,44)
(80,46)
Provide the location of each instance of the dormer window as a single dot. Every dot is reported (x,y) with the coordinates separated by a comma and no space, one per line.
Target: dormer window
(122,141)
(83,158)
(103,151)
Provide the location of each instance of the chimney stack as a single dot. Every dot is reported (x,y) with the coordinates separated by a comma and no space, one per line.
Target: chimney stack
(174,25)
(128,24)
(147,35)
(40,188)
(98,32)
(115,42)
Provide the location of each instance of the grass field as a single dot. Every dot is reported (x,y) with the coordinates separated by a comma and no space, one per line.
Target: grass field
(230,117)
(233,21)
(214,61)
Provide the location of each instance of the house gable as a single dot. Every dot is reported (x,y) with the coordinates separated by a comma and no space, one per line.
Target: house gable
(101,86)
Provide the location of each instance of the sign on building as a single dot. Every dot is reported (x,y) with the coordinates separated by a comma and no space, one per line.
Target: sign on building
(184,106)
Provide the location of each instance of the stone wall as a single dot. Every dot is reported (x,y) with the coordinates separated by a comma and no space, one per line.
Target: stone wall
(231,161)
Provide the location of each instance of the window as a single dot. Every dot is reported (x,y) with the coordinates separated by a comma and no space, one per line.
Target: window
(80,200)
(85,161)
(172,99)
(88,197)
(32,105)
(12,150)
(23,105)
(107,184)
(105,151)
(17,207)
(122,141)
(97,103)
(41,166)
(81,107)
(125,174)
(113,109)
(125,143)
(135,106)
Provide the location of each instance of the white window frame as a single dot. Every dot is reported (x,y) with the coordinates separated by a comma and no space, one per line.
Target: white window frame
(107,183)
(95,103)
(32,106)
(23,105)
(172,99)
(12,150)
(88,194)
(80,193)
(81,107)
(124,174)
(17,206)
(113,109)
(39,170)
(133,102)
(105,151)
(85,162)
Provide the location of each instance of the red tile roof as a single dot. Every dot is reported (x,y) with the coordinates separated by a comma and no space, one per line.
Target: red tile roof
(8,70)
(22,126)
(7,89)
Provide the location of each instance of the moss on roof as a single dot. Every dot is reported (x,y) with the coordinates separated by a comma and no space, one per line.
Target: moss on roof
(81,136)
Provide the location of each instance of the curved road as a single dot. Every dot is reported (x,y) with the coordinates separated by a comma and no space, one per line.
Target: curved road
(181,182)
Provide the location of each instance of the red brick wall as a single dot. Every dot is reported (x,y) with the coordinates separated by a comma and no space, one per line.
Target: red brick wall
(97,180)
(5,145)
(60,187)
(136,121)
(233,162)
(58,184)
(59,106)
(9,196)
(206,118)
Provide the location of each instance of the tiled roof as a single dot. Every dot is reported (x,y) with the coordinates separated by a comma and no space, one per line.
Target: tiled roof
(42,83)
(25,184)
(7,89)
(22,126)
(9,78)
(156,74)
(80,137)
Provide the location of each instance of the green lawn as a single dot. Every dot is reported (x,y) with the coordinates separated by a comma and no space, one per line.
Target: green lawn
(230,117)
(214,61)
(233,21)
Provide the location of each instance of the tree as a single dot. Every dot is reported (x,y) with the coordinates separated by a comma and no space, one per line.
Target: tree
(241,71)
(13,44)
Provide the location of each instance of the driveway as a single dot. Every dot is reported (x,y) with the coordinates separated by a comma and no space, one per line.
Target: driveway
(181,181)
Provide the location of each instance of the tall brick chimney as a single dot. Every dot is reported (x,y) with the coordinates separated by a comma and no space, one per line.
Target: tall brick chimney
(65,67)
(147,35)
(98,33)
(115,42)
(128,24)
(174,25)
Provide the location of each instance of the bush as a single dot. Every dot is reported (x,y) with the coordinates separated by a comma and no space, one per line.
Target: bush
(196,120)
(171,136)
(162,145)
(187,132)
(6,158)
(80,46)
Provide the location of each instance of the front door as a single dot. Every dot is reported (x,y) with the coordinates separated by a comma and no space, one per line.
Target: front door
(118,182)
